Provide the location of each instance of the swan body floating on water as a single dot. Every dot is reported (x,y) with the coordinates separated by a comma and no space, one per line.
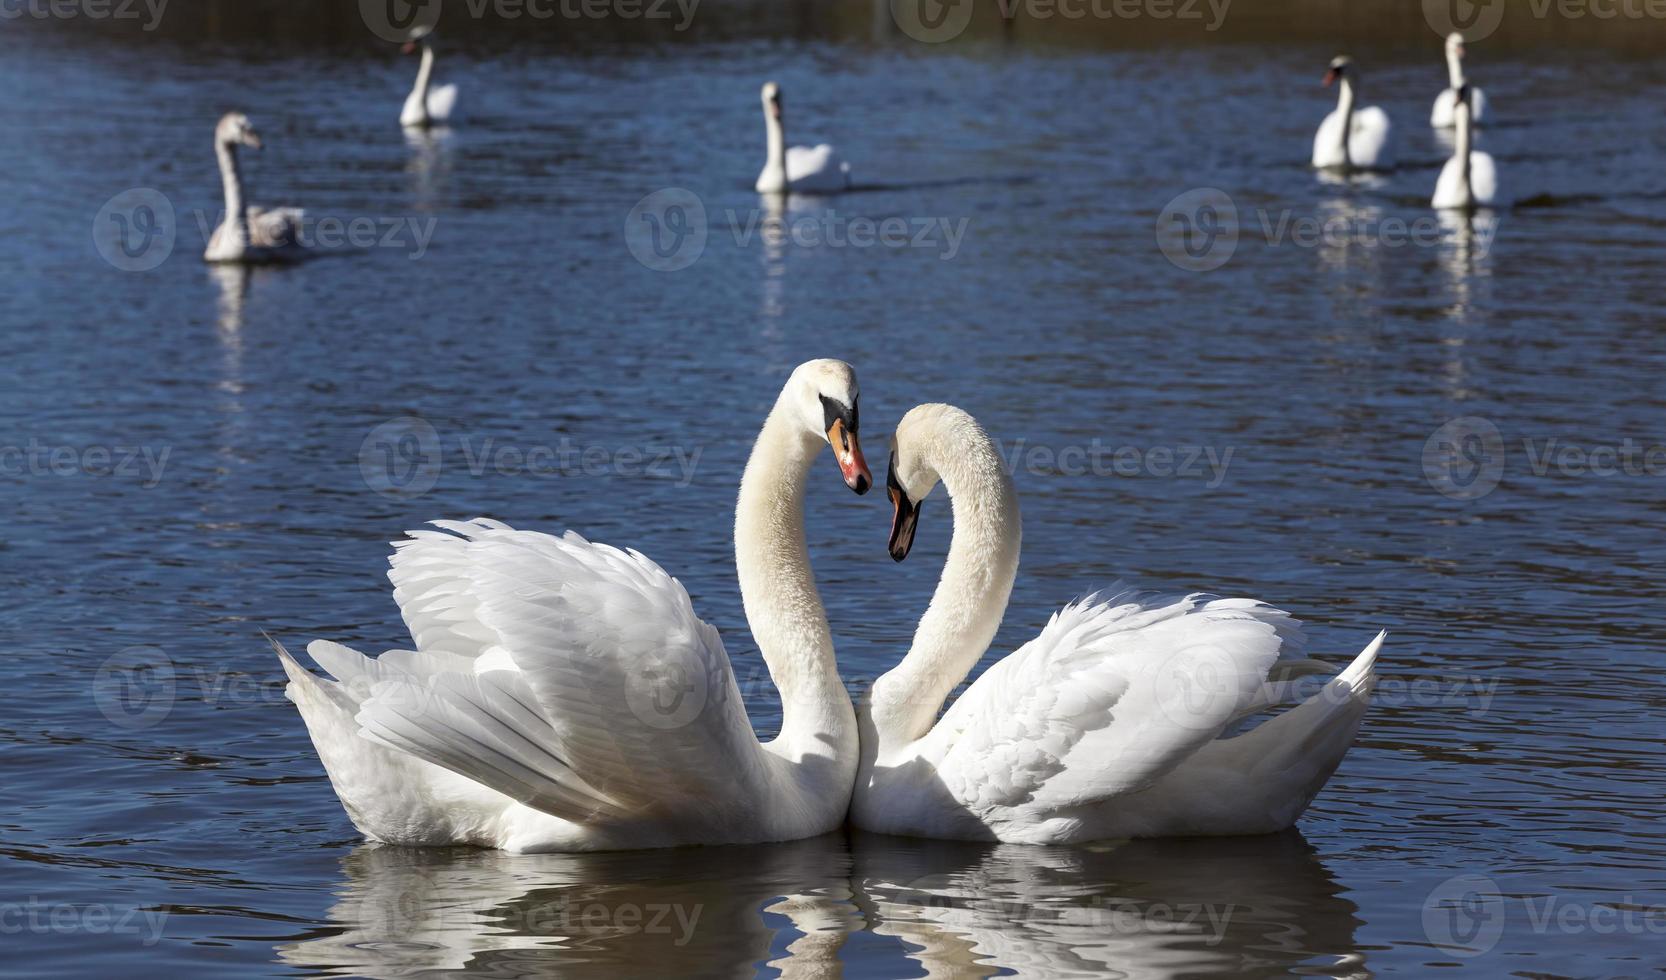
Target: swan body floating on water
(248,233)
(1352,137)
(807,169)
(428,104)
(1444,114)
(1111,722)
(1470,179)
(563,696)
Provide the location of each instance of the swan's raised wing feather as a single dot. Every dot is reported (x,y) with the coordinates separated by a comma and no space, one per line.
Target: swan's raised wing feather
(442,99)
(275,227)
(1111,695)
(624,687)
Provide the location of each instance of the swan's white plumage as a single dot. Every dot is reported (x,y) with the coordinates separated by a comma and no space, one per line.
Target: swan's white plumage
(1370,145)
(564,696)
(428,104)
(1450,193)
(248,233)
(1443,115)
(806,169)
(1125,717)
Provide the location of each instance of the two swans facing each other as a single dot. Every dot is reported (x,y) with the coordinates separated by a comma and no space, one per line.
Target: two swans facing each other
(563,696)
(1121,719)
(248,233)
(807,169)
(1352,137)
(1444,115)
(428,104)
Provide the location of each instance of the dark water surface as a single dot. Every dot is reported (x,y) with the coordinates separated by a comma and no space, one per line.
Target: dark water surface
(1272,427)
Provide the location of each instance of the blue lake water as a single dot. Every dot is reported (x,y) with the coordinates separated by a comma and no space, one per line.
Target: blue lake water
(190,459)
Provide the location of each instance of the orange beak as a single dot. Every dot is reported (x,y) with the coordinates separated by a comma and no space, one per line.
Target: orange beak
(848,451)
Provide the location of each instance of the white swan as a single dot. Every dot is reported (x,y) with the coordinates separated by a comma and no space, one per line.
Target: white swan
(1470,179)
(810,169)
(428,104)
(563,696)
(1107,724)
(1368,143)
(1444,114)
(248,233)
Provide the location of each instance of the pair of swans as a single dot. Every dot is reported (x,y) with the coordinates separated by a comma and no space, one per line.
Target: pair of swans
(1469,180)
(1445,113)
(563,696)
(806,169)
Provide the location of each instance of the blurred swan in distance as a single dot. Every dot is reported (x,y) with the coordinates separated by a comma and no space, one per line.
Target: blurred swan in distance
(1470,179)
(1444,115)
(248,233)
(809,169)
(428,104)
(1352,137)
(1122,718)
(563,696)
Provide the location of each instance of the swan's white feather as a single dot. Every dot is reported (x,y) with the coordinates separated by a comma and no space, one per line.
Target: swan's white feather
(1483,181)
(816,168)
(1370,144)
(442,100)
(1444,115)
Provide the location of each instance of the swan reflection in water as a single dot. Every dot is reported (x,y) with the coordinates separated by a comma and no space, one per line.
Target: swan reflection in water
(861,903)
(1466,257)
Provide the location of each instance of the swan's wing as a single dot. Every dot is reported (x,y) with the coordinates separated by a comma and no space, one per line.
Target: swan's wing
(1478,104)
(812,168)
(442,99)
(1370,143)
(1327,141)
(1111,695)
(1483,178)
(620,694)
(1441,116)
(275,227)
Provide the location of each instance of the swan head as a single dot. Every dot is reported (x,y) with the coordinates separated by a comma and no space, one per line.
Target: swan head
(1341,67)
(912,474)
(825,394)
(1455,45)
(236,130)
(771,98)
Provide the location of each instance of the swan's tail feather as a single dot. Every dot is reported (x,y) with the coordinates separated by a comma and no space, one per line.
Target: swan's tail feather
(487,728)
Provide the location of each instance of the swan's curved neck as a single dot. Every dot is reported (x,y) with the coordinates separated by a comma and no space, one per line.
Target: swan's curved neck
(1345,105)
(778,590)
(1454,68)
(1461,148)
(776,135)
(425,73)
(231,178)
(972,593)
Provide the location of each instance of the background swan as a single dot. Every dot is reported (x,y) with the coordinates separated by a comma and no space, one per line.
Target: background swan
(248,233)
(1107,724)
(563,696)
(1470,179)
(1444,114)
(797,168)
(428,104)
(1367,145)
